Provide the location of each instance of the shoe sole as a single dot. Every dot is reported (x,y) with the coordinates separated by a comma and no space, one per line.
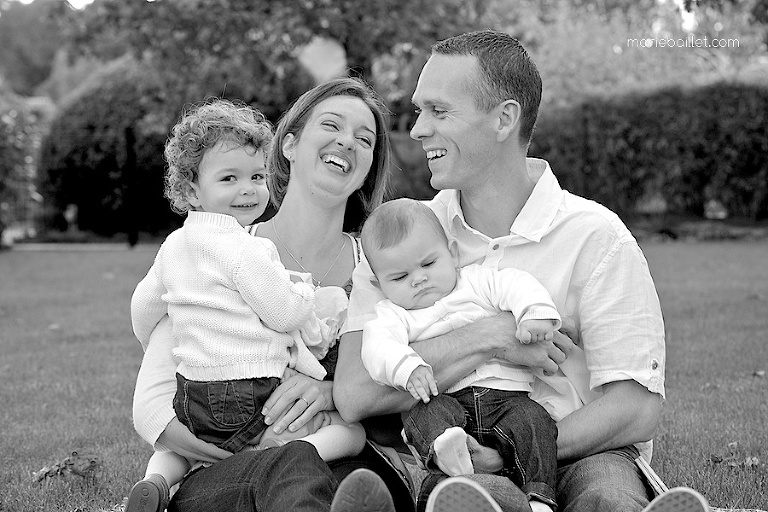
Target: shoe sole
(362,491)
(144,497)
(460,494)
(678,499)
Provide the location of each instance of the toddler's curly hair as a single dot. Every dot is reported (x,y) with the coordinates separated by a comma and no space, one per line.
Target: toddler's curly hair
(200,128)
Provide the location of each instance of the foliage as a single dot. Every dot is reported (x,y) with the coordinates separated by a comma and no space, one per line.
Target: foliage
(686,145)
(85,157)
(28,41)
(22,124)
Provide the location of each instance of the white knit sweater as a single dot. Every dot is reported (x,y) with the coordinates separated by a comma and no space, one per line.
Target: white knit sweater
(230,300)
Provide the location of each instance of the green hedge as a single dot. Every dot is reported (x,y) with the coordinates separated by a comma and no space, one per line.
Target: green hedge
(86,160)
(686,146)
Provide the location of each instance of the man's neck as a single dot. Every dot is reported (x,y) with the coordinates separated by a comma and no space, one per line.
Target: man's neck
(493,206)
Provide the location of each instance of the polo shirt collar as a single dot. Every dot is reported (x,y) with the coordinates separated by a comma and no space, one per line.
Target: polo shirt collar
(539,210)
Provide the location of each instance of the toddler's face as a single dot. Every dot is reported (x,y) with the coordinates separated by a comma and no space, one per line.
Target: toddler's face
(418,271)
(231,180)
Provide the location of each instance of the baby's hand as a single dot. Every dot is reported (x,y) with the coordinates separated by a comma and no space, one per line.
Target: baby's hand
(421,384)
(531,331)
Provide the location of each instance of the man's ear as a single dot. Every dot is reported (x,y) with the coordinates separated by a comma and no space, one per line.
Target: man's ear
(375,282)
(509,116)
(288,142)
(192,193)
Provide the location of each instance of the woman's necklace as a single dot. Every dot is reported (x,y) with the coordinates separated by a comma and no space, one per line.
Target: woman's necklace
(315,281)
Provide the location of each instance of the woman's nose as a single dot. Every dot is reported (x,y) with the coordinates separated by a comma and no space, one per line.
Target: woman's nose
(346,140)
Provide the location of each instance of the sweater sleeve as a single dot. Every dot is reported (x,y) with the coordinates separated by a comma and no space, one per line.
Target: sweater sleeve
(155,385)
(517,291)
(264,284)
(147,304)
(386,353)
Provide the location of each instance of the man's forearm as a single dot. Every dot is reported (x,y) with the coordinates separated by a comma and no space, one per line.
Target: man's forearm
(452,356)
(625,414)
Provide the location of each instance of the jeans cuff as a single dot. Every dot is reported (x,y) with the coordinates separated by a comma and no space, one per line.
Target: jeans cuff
(539,491)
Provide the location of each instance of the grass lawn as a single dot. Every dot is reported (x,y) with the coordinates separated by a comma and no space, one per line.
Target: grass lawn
(68,362)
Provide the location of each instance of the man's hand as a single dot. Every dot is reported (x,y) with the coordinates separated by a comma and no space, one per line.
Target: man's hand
(421,384)
(547,355)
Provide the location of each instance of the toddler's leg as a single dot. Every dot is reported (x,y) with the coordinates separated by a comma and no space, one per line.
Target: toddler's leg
(152,494)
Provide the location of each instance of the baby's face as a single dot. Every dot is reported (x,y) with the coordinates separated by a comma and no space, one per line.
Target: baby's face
(231,180)
(418,271)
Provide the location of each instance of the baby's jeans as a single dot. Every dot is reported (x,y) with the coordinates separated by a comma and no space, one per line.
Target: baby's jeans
(225,413)
(509,421)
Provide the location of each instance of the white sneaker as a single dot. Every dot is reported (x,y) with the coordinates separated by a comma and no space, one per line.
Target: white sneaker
(460,494)
(678,499)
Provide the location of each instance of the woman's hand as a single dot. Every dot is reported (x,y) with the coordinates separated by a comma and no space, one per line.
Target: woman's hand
(296,401)
(178,438)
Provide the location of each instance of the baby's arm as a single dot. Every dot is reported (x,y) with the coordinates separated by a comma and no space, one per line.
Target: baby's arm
(385,351)
(522,294)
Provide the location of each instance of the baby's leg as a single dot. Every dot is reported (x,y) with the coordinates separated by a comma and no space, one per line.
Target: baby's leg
(169,465)
(337,438)
(332,437)
(152,494)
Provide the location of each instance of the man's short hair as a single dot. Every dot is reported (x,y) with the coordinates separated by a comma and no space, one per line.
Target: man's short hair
(393,221)
(507,73)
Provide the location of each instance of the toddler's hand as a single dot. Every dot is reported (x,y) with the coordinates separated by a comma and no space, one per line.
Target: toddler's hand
(531,331)
(421,384)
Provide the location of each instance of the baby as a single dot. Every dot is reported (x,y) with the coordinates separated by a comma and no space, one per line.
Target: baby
(415,268)
(239,321)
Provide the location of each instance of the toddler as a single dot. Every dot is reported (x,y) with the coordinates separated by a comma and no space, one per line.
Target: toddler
(238,319)
(415,267)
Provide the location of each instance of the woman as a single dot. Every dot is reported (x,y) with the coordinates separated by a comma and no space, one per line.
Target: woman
(329,165)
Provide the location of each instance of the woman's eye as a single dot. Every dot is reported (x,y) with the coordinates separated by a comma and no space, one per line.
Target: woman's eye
(366,141)
(331,124)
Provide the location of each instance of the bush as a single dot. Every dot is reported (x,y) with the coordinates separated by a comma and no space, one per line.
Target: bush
(687,146)
(87,159)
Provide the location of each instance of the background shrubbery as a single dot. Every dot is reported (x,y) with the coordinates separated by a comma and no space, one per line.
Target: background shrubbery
(686,146)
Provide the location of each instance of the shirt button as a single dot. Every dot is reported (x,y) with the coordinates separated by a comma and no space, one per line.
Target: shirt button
(495,247)
(654,364)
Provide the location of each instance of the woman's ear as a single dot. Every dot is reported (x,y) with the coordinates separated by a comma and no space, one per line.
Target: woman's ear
(288,142)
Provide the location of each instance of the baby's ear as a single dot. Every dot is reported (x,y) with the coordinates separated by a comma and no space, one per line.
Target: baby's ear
(453,247)
(375,282)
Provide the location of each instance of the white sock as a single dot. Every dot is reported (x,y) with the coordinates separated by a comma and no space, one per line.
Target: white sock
(451,452)
(538,506)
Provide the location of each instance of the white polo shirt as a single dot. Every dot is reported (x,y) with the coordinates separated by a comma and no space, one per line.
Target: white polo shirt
(592,267)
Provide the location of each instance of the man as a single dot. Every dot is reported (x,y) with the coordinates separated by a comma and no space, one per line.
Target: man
(477,100)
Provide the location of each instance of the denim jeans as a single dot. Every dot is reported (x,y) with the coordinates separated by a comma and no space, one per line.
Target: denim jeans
(604,482)
(225,413)
(292,478)
(509,421)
